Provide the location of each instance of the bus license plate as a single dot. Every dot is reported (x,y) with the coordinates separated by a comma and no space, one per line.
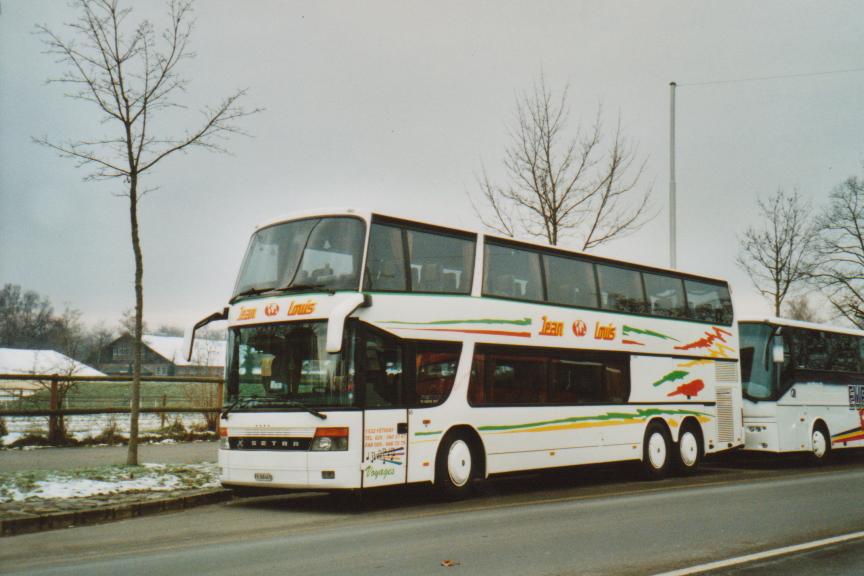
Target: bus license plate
(264,476)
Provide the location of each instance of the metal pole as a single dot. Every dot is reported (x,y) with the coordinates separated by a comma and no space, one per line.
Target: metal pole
(672,207)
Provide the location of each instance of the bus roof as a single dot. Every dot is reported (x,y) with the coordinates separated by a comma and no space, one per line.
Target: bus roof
(774,321)
(369,215)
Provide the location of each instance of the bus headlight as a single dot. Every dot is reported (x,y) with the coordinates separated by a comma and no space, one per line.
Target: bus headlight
(223,438)
(329,440)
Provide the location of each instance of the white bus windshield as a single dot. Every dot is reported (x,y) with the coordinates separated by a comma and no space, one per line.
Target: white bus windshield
(757,367)
(314,253)
(280,365)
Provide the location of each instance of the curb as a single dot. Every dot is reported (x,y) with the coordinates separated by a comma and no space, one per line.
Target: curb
(38,523)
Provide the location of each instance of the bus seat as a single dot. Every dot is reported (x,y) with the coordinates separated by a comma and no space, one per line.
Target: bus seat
(431,280)
(388,277)
(503,285)
(322,274)
(450,282)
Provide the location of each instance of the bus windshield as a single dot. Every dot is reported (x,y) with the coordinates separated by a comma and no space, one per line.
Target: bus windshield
(314,253)
(757,367)
(288,366)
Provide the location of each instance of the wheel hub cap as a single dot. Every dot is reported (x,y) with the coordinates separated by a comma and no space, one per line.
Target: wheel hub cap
(819,443)
(459,463)
(657,450)
(689,448)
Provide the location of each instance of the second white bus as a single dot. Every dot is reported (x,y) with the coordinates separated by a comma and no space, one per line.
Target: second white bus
(803,387)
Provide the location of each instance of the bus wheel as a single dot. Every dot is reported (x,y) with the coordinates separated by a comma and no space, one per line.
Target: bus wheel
(455,467)
(656,451)
(689,453)
(820,444)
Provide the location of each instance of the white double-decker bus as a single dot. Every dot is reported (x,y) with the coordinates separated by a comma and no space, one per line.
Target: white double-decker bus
(803,386)
(366,350)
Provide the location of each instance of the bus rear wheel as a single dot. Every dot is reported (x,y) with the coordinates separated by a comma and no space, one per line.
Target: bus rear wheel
(820,444)
(656,452)
(455,467)
(688,456)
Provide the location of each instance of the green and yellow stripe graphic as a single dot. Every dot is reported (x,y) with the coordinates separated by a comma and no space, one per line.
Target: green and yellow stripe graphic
(607,419)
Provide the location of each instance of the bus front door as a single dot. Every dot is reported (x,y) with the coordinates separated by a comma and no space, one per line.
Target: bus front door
(385,447)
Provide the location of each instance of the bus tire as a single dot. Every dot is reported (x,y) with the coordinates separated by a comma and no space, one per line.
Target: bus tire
(456,466)
(656,451)
(689,450)
(820,444)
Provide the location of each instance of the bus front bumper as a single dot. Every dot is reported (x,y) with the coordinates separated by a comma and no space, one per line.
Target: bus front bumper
(761,436)
(289,470)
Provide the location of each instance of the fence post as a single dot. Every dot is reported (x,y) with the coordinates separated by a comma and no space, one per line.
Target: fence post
(162,414)
(54,419)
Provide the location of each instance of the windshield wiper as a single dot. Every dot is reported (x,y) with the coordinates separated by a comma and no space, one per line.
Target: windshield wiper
(238,403)
(305,287)
(293,404)
(249,292)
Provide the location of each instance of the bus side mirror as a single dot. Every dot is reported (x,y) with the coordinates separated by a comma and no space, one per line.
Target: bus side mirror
(777,351)
(336,321)
(189,335)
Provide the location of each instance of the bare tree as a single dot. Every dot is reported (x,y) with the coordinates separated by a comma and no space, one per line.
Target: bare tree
(841,250)
(801,308)
(778,254)
(131,74)
(560,184)
(26,318)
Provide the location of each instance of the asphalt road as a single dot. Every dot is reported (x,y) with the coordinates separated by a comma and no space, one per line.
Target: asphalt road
(90,456)
(589,521)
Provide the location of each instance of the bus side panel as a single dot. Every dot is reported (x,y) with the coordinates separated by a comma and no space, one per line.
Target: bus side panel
(690,384)
(850,430)
(512,462)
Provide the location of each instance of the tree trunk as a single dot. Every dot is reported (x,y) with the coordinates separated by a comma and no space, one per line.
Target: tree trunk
(135,400)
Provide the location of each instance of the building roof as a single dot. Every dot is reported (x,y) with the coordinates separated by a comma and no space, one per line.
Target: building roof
(204,352)
(14,361)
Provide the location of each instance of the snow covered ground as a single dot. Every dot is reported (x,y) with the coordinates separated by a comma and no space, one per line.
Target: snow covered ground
(81,427)
(105,480)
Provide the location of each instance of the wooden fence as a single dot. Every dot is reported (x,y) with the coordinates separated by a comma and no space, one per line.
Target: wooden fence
(55,383)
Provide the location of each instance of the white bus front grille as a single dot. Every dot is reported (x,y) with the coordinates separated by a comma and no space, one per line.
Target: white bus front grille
(272,431)
(726,371)
(725,415)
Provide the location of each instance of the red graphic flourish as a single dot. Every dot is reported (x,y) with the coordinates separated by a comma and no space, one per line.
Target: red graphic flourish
(633,342)
(689,389)
(710,337)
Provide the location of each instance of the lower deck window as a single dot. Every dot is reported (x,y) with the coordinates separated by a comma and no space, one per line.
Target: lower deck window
(515,376)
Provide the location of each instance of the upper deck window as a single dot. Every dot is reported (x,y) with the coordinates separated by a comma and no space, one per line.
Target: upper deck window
(665,295)
(708,302)
(309,254)
(385,264)
(570,281)
(512,273)
(406,259)
(440,264)
(620,289)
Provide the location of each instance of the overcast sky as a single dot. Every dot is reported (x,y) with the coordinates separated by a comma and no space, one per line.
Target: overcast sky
(396,106)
